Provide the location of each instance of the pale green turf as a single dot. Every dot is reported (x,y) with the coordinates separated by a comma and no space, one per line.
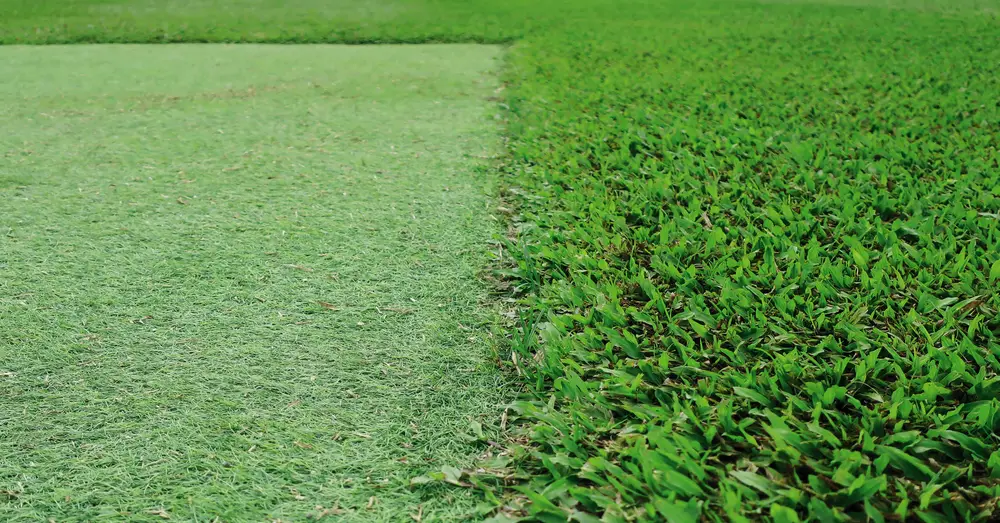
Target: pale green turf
(171,219)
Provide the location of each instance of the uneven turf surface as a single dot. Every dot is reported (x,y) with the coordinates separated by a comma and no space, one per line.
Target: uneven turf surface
(240,281)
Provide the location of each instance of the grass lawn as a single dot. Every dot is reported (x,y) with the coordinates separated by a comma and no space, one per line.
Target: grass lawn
(241,281)
(758,243)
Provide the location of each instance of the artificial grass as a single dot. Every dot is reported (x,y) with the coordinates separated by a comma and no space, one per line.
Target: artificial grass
(758,244)
(240,282)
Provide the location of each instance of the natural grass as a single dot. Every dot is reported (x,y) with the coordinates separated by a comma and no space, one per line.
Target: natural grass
(351,21)
(241,281)
(757,243)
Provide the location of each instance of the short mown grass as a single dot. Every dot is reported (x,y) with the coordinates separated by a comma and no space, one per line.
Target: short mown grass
(757,244)
(241,281)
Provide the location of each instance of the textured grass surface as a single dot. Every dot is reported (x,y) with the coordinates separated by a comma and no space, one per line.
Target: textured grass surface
(411,21)
(240,281)
(759,244)
(355,21)
(769,287)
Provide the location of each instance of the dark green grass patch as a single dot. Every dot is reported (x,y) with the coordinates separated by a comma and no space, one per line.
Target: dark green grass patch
(758,247)
(768,289)
(240,281)
(298,21)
